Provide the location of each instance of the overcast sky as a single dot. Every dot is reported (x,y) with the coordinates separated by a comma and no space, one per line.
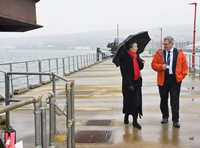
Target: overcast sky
(75,16)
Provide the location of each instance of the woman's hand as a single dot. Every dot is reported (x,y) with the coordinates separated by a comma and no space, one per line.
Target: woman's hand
(131,88)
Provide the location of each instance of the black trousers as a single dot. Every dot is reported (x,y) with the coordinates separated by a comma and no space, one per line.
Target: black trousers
(173,88)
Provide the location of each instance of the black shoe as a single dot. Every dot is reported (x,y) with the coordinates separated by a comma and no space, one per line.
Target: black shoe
(176,124)
(126,119)
(164,120)
(135,124)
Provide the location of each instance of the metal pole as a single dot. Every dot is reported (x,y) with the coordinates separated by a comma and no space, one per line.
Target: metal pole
(69,63)
(72,116)
(57,64)
(84,60)
(193,53)
(73,63)
(54,91)
(7,95)
(52,116)
(77,63)
(87,59)
(152,48)
(68,115)
(43,122)
(37,113)
(81,61)
(11,80)
(27,76)
(49,67)
(40,70)
(63,66)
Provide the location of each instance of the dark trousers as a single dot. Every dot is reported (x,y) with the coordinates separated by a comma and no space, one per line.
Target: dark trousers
(172,87)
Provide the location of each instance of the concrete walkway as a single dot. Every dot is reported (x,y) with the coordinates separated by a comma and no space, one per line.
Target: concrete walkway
(98,97)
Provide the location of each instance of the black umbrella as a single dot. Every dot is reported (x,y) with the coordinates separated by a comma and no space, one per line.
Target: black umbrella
(142,40)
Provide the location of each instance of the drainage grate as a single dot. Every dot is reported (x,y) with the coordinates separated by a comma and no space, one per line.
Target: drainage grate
(93,136)
(98,123)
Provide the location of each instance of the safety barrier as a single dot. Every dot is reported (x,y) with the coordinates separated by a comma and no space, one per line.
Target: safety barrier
(62,66)
(194,69)
(40,104)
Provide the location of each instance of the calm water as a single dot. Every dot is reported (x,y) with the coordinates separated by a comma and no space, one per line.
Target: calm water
(11,56)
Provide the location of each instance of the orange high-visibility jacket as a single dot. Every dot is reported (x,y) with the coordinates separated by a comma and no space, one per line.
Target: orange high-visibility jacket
(180,70)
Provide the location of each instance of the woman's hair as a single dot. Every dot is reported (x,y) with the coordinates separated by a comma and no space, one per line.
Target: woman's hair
(169,38)
(130,45)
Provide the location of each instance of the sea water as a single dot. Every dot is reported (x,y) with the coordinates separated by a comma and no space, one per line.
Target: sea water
(11,56)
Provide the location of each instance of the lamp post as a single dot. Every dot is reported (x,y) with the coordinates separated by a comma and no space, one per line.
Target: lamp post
(193,53)
(161,39)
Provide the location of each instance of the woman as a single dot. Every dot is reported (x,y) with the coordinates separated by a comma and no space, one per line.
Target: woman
(130,66)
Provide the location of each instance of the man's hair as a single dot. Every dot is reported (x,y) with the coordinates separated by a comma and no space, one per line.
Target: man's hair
(169,38)
(130,45)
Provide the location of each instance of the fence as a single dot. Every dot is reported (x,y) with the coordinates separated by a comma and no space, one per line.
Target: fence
(62,66)
(40,104)
(74,64)
(196,69)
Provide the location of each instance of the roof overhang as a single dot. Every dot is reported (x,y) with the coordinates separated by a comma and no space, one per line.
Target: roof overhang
(18,16)
(8,24)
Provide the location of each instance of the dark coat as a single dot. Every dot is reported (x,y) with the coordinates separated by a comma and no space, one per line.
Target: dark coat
(130,99)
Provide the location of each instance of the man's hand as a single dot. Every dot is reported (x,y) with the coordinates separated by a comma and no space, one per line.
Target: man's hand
(164,66)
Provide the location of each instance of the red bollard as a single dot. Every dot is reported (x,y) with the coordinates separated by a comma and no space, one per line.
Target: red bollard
(10,138)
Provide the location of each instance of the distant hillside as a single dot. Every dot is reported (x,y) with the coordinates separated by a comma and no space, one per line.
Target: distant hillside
(181,33)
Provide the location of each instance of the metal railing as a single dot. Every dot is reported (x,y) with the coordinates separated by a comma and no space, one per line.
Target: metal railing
(196,69)
(40,104)
(62,66)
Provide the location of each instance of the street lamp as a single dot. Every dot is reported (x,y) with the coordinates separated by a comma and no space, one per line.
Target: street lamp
(161,39)
(193,53)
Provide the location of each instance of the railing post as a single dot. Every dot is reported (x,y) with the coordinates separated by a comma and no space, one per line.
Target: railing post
(7,99)
(40,70)
(73,63)
(43,122)
(27,75)
(49,67)
(54,91)
(87,59)
(84,61)
(68,91)
(52,116)
(81,61)
(57,64)
(69,63)
(37,113)
(77,63)
(72,115)
(199,65)
(11,80)
(63,66)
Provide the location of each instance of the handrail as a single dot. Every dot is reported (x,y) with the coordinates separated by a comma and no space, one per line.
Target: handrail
(63,65)
(22,103)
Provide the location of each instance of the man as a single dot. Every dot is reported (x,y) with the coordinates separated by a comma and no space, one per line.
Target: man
(171,65)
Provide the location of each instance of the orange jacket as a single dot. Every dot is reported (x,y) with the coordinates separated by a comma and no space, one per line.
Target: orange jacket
(180,70)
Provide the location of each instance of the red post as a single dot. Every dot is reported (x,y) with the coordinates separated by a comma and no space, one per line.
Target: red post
(193,53)
(161,39)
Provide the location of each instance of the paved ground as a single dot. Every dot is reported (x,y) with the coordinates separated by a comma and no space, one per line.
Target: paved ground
(98,97)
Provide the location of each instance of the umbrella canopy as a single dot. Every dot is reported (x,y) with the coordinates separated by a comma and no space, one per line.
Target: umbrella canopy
(142,40)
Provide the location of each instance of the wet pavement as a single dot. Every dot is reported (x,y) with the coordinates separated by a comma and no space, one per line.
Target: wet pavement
(98,97)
